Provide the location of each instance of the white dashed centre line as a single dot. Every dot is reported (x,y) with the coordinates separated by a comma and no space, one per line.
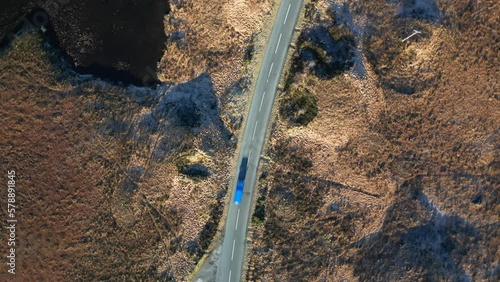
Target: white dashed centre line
(232,252)
(287,11)
(255,129)
(270,70)
(278,45)
(237,218)
(229,276)
(261,101)
(249,154)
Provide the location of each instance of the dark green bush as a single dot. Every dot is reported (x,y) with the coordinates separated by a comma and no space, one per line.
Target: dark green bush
(299,107)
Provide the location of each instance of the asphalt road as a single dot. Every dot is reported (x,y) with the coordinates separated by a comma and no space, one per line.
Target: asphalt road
(232,257)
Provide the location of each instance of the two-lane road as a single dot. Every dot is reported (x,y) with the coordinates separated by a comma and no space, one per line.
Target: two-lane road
(233,247)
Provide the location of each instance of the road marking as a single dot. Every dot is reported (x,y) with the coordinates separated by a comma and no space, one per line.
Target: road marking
(237,218)
(255,129)
(232,252)
(249,154)
(262,100)
(287,11)
(270,70)
(278,45)
(229,276)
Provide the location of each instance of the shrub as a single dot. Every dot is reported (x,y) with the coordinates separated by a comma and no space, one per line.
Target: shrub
(300,107)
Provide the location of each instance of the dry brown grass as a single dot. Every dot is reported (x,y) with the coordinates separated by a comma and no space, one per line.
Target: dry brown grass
(44,138)
(75,147)
(77,219)
(217,34)
(378,155)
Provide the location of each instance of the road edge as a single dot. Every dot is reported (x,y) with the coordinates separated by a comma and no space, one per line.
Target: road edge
(260,45)
(271,124)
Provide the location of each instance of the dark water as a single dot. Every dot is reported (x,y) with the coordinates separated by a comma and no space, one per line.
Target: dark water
(120,40)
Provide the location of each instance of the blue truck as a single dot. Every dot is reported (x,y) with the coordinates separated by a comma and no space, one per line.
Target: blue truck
(239,192)
(241,181)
